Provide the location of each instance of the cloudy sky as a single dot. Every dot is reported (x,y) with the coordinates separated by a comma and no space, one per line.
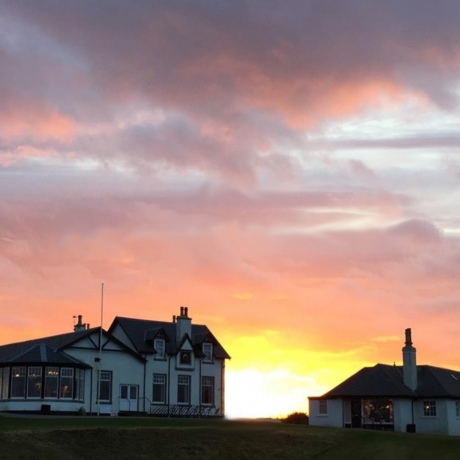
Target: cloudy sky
(290,171)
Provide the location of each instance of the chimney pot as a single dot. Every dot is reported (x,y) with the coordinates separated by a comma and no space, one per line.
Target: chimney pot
(408,337)
(79,326)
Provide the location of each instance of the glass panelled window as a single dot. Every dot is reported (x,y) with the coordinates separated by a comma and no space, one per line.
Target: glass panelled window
(105,386)
(51,382)
(429,408)
(159,346)
(159,388)
(378,409)
(183,389)
(18,382)
(322,409)
(6,383)
(457,409)
(66,383)
(34,382)
(207,351)
(207,390)
(79,384)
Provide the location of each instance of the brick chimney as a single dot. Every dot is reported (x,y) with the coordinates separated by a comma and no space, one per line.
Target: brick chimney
(80,326)
(409,362)
(183,324)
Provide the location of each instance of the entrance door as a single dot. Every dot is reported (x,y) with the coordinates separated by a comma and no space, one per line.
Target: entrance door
(128,398)
(356,416)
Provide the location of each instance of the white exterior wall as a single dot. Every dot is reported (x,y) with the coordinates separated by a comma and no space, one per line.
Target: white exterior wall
(402,414)
(435,425)
(171,367)
(453,420)
(125,368)
(35,405)
(334,416)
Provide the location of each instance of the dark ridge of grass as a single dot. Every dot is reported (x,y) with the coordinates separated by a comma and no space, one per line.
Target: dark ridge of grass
(199,439)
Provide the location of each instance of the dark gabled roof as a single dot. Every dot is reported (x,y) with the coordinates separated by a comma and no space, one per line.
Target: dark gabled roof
(156,333)
(52,349)
(384,380)
(136,330)
(380,380)
(56,342)
(438,382)
(43,354)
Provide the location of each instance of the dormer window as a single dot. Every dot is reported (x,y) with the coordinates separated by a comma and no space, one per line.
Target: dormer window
(207,351)
(159,345)
(186,357)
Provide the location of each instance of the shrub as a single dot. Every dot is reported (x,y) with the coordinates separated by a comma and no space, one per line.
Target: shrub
(297,417)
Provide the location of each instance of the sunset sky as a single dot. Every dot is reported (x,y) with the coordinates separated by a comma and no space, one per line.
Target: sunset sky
(289,170)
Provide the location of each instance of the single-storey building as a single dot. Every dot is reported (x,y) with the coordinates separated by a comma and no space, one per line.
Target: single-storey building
(411,397)
(138,366)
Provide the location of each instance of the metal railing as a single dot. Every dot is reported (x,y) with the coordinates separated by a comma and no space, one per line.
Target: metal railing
(178,410)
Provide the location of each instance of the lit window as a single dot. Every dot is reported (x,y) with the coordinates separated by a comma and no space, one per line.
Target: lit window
(207,351)
(51,382)
(34,382)
(183,389)
(207,390)
(159,388)
(322,406)
(429,408)
(159,346)
(105,386)
(378,409)
(66,384)
(18,382)
(186,357)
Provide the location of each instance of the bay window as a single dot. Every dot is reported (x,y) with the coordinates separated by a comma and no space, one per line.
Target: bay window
(34,382)
(18,382)
(66,383)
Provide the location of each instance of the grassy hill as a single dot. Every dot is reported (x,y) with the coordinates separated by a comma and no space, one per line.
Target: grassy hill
(146,438)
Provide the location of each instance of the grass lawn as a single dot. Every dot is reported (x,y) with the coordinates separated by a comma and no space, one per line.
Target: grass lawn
(148,438)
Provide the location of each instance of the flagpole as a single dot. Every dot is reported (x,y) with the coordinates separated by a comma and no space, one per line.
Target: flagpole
(100,353)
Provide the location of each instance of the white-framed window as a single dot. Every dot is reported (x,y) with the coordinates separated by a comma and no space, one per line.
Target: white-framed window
(207,351)
(183,389)
(429,408)
(6,382)
(159,388)
(51,382)
(207,391)
(159,345)
(322,408)
(18,382)
(104,386)
(34,382)
(66,383)
(80,384)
